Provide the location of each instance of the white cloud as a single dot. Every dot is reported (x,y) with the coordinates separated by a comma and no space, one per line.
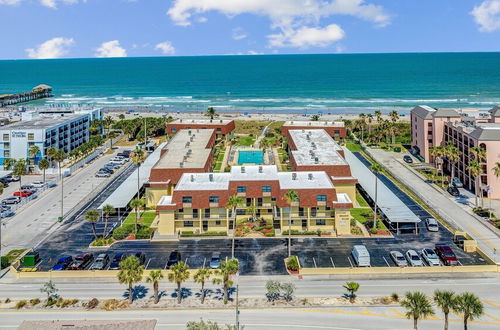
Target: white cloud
(239,33)
(53,3)
(307,37)
(166,48)
(53,48)
(9,2)
(487,15)
(296,20)
(111,49)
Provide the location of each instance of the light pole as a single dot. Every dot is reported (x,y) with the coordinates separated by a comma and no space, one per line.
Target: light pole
(237,303)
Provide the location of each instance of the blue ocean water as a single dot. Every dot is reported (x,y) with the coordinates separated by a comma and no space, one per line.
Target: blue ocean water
(301,83)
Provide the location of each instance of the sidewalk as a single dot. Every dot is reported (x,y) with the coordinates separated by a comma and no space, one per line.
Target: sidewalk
(488,241)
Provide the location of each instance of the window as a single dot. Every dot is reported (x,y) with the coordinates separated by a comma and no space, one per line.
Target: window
(219,129)
(188,223)
(207,213)
(266,188)
(187,199)
(195,213)
(321,198)
(6,154)
(242,189)
(336,132)
(31,136)
(6,145)
(213,199)
(174,129)
(320,222)
(6,137)
(217,222)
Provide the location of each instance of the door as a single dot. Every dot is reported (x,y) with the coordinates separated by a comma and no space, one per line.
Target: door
(205,225)
(304,224)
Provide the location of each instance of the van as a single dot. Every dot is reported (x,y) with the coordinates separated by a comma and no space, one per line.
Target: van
(361,256)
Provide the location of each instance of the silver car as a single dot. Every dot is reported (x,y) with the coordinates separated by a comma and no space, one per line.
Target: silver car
(100,262)
(413,258)
(430,257)
(431,224)
(398,259)
(215,260)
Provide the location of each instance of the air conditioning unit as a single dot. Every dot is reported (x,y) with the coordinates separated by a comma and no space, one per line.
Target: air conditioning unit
(211,177)
(294,176)
(243,169)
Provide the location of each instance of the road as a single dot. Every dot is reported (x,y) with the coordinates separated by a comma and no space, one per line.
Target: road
(487,240)
(36,220)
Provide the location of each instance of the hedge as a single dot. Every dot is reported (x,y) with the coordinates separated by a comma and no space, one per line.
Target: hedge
(207,233)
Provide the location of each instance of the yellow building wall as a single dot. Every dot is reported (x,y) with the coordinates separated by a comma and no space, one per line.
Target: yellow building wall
(166,223)
(349,189)
(342,221)
(153,195)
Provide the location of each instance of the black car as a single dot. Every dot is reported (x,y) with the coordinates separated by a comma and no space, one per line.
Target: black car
(81,261)
(4,182)
(407,159)
(119,257)
(453,190)
(174,258)
(125,153)
(107,169)
(141,256)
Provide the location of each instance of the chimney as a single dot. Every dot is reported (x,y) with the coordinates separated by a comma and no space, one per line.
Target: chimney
(189,132)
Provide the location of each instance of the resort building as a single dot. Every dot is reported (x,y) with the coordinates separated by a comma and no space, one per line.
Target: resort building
(465,128)
(222,127)
(198,202)
(62,131)
(335,129)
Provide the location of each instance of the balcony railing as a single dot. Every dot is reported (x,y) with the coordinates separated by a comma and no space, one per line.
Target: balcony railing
(213,204)
(187,205)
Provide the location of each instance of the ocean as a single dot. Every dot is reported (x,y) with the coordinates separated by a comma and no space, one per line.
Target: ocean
(334,83)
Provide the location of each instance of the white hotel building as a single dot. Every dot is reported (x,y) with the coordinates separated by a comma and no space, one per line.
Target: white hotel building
(62,130)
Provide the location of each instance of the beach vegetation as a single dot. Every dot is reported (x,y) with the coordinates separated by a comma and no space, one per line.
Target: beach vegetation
(352,288)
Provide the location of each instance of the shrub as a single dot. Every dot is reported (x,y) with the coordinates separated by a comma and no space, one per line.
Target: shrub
(373,230)
(124,304)
(395,297)
(304,301)
(121,232)
(356,231)
(4,261)
(102,241)
(93,303)
(7,300)
(34,301)
(288,290)
(353,222)
(60,302)
(50,301)
(143,233)
(273,290)
(110,304)
(386,300)
(293,263)
(21,303)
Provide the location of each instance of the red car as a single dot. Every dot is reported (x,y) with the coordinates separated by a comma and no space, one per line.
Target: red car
(23,193)
(447,255)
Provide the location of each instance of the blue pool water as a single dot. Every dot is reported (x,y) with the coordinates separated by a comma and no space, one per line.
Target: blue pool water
(251,157)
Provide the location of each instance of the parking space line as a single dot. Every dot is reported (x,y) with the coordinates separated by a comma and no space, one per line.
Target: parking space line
(386,261)
(332,262)
(204,260)
(147,264)
(350,262)
(314,261)
(165,265)
(459,262)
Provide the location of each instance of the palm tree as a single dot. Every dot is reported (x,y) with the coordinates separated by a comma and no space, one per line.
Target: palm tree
(8,163)
(394,118)
(446,301)
(136,204)
(470,306)
(496,170)
(378,115)
(108,121)
(475,169)
(376,169)
(51,152)
(452,153)
(201,276)
(92,216)
(251,210)
(437,152)
(111,136)
(417,306)
(362,118)
(138,158)
(155,276)
(131,272)
(291,197)
(19,170)
(33,152)
(106,210)
(43,164)
(369,118)
(478,152)
(232,204)
(211,112)
(226,270)
(121,116)
(352,288)
(179,273)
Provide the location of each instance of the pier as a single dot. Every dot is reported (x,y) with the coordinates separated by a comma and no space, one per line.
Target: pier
(38,92)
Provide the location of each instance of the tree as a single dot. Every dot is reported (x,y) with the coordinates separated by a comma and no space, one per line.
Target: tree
(417,307)
(452,153)
(352,288)
(475,169)
(315,117)
(251,210)
(470,306)
(51,152)
(291,197)
(49,288)
(8,163)
(233,202)
(92,216)
(107,210)
(179,274)
(108,121)
(1,188)
(446,301)
(201,276)
(137,204)
(138,158)
(33,151)
(496,170)
(437,152)
(131,272)
(121,116)
(43,164)
(478,153)
(227,268)
(376,169)
(394,118)
(19,170)
(155,276)
(378,115)
(211,112)
(111,136)
(369,118)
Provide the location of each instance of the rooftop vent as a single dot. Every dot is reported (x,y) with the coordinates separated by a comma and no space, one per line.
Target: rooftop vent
(187,144)
(260,169)
(192,178)
(181,164)
(316,160)
(181,120)
(221,121)
(303,131)
(294,176)
(185,157)
(243,169)
(211,120)
(190,151)
(211,177)
(189,132)
(310,176)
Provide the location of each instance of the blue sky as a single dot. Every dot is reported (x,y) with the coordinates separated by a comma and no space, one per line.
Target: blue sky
(110,28)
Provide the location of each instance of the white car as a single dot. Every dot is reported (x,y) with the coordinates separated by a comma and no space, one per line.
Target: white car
(430,257)
(431,224)
(117,161)
(413,258)
(38,184)
(398,259)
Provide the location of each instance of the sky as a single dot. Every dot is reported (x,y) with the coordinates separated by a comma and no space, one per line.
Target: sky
(38,29)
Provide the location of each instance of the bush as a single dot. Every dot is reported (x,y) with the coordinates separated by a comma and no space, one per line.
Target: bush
(21,303)
(386,300)
(121,232)
(34,301)
(288,290)
(273,290)
(102,241)
(4,261)
(50,301)
(63,303)
(143,233)
(93,303)
(7,300)
(110,304)
(373,230)
(293,263)
(356,230)
(353,222)
(395,297)
(207,233)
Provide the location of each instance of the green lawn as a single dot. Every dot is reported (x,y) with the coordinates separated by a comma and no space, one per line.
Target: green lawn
(220,156)
(217,166)
(245,140)
(354,147)
(364,216)
(361,201)
(146,218)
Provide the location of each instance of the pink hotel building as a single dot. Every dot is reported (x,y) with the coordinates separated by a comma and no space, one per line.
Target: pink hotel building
(465,128)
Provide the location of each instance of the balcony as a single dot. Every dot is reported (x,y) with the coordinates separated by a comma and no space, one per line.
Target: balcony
(265,205)
(241,194)
(294,203)
(266,194)
(213,204)
(187,205)
(321,203)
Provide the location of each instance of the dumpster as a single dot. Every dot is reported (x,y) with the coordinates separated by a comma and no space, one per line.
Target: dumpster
(31,259)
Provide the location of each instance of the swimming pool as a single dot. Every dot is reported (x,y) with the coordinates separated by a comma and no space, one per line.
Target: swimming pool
(251,157)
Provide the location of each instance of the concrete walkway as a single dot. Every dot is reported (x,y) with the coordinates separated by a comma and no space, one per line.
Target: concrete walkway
(487,240)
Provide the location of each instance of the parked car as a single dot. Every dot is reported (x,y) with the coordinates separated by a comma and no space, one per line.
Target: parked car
(431,224)
(120,161)
(457,183)
(6,208)
(81,261)
(51,184)
(119,257)
(15,179)
(408,159)
(107,169)
(430,257)
(4,182)
(28,187)
(63,263)
(452,190)
(215,260)
(361,256)
(102,174)
(398,259)
(11,200)
(22,193)
(446,254)
(124,153)
(175,257)
(38,184)
(100,262)
(6,213)
(114,166)
(141,256)
(413,258)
